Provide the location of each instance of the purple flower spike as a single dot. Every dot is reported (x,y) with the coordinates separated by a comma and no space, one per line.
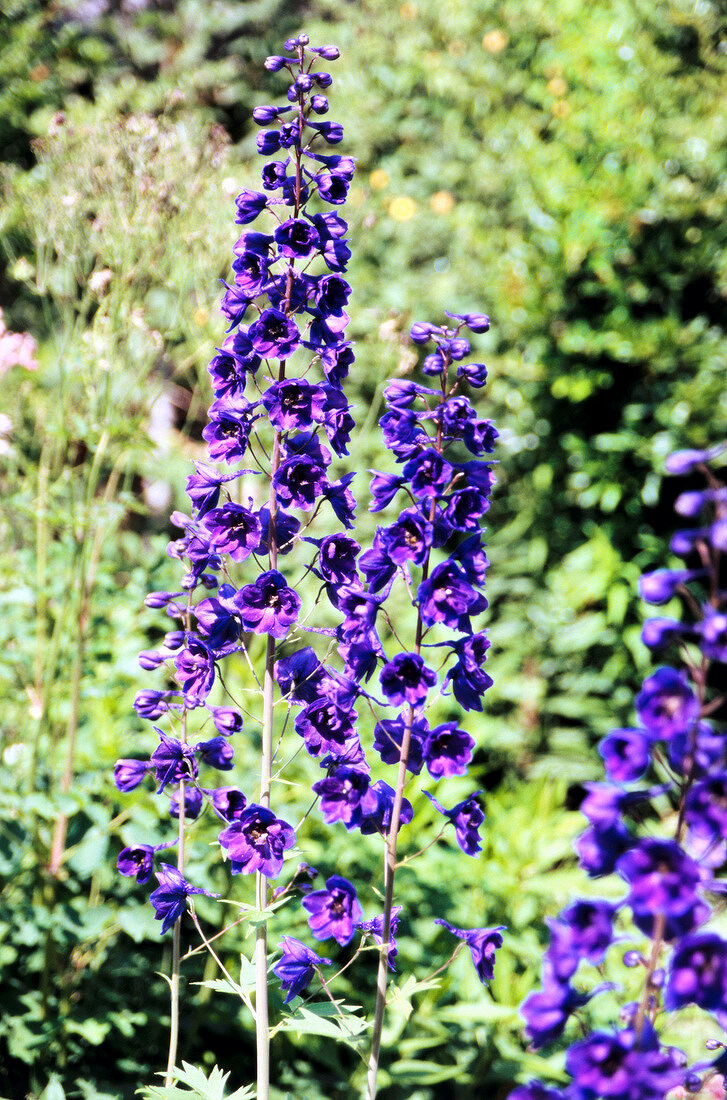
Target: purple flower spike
(256,841)
(296,968)
(483,944)
(334,911)
(170,897)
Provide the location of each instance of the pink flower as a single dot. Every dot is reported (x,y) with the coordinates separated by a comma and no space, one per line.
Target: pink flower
(17,349)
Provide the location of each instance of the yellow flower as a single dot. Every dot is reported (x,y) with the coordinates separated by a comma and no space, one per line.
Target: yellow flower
(494,41)
(561,108)
(201,316)
(557,87)
(408,12)
(379,179)
(402,208)
(442,202)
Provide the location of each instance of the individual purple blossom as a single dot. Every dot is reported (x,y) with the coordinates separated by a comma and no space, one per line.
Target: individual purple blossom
(621,1065)
(378,819)
(172,760)
(447,750)
(170,897)
(447,597)
(273,335)
(483,944)
(325,726)
(466,816)
(300,676)
(546,1011)
(428,473)
(193,802)
(195,672)
(666,704)
(388,736)
(376,927)
(600,847)
(128,774)
(405,678)
(137,861)
(337,558)
(233,530)
(294,404)
(533,1090)
(334,911)
(663,881)
(297,967)
(584,930)
(705,808)
(268,605)
(698,975)
(297,238)
(256,841)
(299,482)
(343,796)
(217,753)
(227,720)
(228,802)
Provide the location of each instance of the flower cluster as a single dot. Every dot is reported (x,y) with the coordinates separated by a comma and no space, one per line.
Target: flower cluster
(668,877)
(284,303)
(442,448)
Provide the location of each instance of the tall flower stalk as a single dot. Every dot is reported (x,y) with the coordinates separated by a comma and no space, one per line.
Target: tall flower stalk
(671,871)
(267,413)
(434,549)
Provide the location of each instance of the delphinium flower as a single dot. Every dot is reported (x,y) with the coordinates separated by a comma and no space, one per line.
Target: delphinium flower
(670,869)
(278,418)
(432,550)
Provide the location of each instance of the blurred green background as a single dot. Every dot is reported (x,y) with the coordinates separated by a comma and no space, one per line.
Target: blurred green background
(557,164)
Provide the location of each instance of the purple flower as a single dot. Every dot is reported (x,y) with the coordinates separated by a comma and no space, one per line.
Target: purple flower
(249,204)
(447,750)
(664,881)
(620,1065)
(297,238)
(296,968)
(137,861)
(128,774)
(256,841)
(428,473)
(409,538)
(698,975)
(273,335)
(195,671)
(300,481)
(170,897)
(406,678)
(535,1091)
(469,680)
(217,752)
(228,802)
(582,931)
(333,911)
(227,720)
(626,754)
(324,726)
(193,803)
(547,1010)
(466,816)
(705,808)
(233,530)
(388,736)
(228,431)
(300,676)
(268,606)
(483,944)
(343,794)
(376,927)
(378,820)
(666,704)
(600,847)
(294,403)
(172,761)
(447,597)
(337,558)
